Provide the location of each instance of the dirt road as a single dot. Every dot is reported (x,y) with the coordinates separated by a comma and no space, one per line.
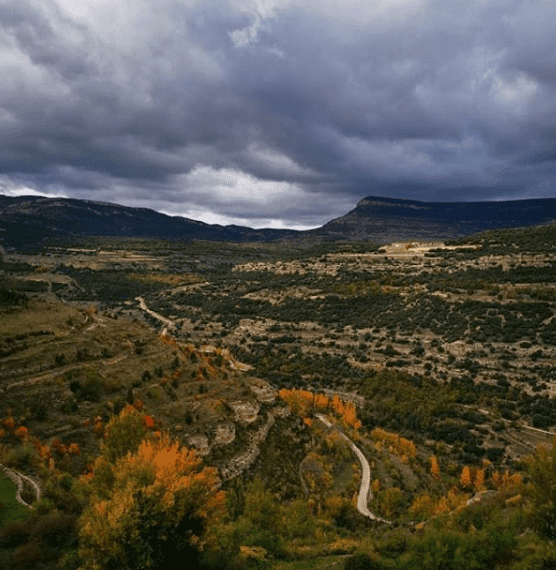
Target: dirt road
(365,492)
(18,479)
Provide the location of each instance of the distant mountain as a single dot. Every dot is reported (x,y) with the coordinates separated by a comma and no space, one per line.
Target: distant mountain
(27,219)
(386,220)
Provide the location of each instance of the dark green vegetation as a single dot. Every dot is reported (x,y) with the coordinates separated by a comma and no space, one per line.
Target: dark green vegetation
(451,346)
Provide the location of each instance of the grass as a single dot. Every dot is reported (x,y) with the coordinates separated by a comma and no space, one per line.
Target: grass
(10,509)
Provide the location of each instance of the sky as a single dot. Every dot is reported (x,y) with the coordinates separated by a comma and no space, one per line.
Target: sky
(277,113)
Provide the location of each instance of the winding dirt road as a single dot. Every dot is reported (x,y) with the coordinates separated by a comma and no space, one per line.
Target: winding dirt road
(18,479)
(365,492)
(167,322)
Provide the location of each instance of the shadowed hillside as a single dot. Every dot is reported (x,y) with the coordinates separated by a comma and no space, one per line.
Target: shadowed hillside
(26,220)
(386,219)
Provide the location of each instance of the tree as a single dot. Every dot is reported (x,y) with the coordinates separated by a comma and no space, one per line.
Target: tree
(465,479)
(124,433)
(391,501)
(435,469)
(542,489)
(260,523)
(423,507)
(150,508)
(479,482)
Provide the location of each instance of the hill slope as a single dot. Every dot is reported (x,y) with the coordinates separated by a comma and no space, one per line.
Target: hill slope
(387,219)
(28,219)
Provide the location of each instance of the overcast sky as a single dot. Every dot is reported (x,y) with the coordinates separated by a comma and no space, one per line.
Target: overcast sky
(277,113)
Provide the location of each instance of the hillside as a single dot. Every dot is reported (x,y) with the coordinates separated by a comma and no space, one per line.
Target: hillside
(28,220)
(385,220)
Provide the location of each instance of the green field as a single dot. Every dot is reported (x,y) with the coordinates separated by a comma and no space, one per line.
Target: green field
(10,509)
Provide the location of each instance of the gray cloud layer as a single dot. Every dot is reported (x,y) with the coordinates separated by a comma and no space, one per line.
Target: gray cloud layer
(276,112)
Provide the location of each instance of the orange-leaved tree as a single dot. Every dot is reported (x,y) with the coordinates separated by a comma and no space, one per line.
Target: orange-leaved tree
(152,506)
(435,469)
(465,478)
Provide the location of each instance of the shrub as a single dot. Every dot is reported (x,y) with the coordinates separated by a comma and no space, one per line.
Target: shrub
(91,389)
(14,534)
(29,555)
(360,561)
(24,458)
(57,530)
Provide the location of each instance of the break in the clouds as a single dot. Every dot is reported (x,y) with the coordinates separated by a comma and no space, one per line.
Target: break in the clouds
(277,113)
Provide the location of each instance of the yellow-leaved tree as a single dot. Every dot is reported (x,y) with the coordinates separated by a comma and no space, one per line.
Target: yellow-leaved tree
(435,469)
(465,478)
(151,507)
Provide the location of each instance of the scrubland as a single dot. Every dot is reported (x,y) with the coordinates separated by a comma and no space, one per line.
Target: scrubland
(436,359)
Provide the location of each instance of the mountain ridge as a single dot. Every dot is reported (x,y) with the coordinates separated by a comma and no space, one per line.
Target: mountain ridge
(392,219)
(25,219)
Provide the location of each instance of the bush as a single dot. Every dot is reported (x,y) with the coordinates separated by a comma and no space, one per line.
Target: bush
(443,549)
(57,530)
(14,534)
(542,489)
(91,389)
(360,561)
(29,555)
(23,458)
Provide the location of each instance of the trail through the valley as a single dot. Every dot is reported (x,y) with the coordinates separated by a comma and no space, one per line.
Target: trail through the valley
(365,492)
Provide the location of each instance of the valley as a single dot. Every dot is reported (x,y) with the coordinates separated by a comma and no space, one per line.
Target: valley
(415,350)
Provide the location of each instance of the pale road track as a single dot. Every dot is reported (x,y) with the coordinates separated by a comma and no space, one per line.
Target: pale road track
(365,492)
(17,478)
(167,322)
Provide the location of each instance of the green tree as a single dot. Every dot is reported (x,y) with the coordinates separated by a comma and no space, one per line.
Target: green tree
(542,489)
(261,523)
(124,433)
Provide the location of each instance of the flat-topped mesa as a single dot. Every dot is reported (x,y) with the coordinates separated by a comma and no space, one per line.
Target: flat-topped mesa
(385,220)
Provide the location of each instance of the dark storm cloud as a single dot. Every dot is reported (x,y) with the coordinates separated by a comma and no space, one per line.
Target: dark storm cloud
(276,112)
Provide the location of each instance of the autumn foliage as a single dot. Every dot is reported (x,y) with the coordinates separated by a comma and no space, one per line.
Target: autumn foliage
(465,478)
(125,432)
(150,499)
(506,481)
(48,454)
(435,469)
(305,403)
(22,433)
(9,423)
(394,443)
(476,479)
